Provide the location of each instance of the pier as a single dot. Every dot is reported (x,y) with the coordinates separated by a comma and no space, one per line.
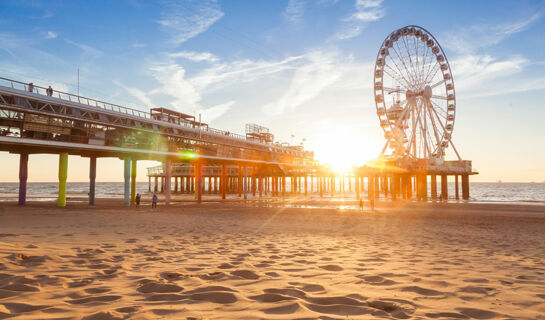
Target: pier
(196,158)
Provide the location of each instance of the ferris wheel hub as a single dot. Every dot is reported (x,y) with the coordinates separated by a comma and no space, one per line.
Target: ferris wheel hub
(427,93)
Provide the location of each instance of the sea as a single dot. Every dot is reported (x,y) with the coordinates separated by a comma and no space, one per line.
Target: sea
(479,191)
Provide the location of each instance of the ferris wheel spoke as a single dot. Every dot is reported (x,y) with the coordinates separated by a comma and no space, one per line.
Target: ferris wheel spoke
(432,72)
(438,83)
(434,126)
(442,112)
(405,42)
(402,61)
(392,90)
(416,46)
(404,83)
(438,97)
(412,141)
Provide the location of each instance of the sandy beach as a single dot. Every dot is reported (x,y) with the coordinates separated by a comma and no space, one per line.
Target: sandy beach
(265,261)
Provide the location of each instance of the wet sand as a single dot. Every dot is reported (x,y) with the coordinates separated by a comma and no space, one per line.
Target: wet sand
(265,261)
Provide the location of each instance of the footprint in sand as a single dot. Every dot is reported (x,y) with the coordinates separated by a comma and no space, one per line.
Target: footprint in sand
(246,274)
(377,280)
(103,316)
(422,291)
(284,309)
(155,287)
(332,267)
(477,313)
(99,299)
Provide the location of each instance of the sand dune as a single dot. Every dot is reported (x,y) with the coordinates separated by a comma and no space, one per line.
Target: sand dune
(268,262)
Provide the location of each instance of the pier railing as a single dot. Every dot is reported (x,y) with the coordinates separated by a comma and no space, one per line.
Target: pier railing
(14,84)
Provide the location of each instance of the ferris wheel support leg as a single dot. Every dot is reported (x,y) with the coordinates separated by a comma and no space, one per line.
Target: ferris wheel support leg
(456,151)
(384,149)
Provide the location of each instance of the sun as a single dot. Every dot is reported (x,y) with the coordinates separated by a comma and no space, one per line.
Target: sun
(342,154)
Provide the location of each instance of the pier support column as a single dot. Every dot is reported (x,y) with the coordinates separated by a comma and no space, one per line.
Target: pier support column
(357,187)
(168,181)
(245,182)
(175,184)
(393,186)
(155,186)
(376,186)
(127,181)
(465,187)
(198,181)
(434,187)
(456,187)
(223,182)
(239,181)
(23,176)
(149,184)
(63,175)
(371,187)
(92,178)
(444,187)
(133,182)
(424,187)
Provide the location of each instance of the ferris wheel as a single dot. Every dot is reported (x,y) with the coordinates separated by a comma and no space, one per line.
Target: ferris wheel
(414,95)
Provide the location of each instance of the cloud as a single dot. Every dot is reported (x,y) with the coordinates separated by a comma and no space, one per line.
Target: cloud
(51,35)
(294,11)
(184,20)
(138,45)
(368,10)
(365,11)
(195,56)
(484,75)
(318,73)
(89,53)
(472,38)
(137,93)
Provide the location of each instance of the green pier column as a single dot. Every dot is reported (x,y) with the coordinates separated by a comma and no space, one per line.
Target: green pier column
(133,182)
(127,181)
(63,174)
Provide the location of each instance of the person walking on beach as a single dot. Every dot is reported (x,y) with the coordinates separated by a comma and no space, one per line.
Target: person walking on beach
(154,201)
(137,200)
(361,204)
(49,91)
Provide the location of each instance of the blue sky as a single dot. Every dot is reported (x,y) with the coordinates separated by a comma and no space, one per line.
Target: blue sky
(299,67)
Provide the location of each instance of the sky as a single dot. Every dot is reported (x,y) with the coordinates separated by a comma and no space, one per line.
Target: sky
(302,68)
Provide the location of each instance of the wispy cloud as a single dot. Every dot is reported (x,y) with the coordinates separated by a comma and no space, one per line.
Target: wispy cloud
(194,56)
(137,93)
(184,20)
(317,73)
(365,11)
(138,44)
(89,53)
(472,38)
(294,11)
(483,75)
(51,35)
